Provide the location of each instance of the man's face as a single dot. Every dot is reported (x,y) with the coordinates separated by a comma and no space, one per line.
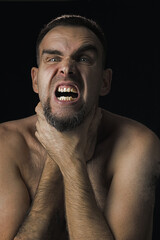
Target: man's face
(70,73)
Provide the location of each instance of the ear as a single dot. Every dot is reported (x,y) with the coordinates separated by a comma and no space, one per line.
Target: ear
(34,76)
(106,82)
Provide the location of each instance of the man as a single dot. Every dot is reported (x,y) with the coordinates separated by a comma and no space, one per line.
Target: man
(75,171)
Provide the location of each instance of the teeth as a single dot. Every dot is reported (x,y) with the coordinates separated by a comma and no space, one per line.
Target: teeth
(62,98)
(67,90)
(73,90)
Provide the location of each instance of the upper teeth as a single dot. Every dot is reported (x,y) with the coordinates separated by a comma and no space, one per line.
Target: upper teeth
(60,89)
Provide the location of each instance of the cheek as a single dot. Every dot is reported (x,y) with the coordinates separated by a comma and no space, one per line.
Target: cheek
(92,85)
(45,82)
(42,87)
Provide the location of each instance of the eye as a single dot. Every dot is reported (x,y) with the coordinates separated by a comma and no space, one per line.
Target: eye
(54,59)
(84,59)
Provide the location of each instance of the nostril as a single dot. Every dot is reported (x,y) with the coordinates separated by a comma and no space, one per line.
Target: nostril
(62,71)
(65,72)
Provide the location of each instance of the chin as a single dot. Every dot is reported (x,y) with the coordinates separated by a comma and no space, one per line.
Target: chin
(64,119)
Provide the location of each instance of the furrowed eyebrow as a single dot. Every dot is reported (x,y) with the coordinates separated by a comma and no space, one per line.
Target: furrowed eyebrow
(84,48)
(87,47)
(52,52)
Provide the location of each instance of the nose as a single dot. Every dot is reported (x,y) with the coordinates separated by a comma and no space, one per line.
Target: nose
(67,67)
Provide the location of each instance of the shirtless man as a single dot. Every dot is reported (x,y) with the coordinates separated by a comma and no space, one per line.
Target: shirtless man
(75,171)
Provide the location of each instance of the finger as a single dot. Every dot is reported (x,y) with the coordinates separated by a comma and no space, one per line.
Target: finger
(39,111)
(37,107)
(37,135)
(37,125)
(39,139)
(41,126)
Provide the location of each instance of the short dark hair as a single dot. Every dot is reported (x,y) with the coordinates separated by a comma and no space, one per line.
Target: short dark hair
(73,20)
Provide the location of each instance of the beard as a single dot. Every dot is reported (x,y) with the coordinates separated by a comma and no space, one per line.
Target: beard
(63,124)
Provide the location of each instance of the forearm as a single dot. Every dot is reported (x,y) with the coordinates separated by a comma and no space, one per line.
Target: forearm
(84,218)
(44,218)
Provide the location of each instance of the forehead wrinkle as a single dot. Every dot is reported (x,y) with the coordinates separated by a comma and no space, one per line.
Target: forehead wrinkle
(64,44)
(79,32)
(51,52)
(80,50)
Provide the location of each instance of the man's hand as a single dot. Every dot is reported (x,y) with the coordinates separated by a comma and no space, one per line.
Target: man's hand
(70,150)
(64,147)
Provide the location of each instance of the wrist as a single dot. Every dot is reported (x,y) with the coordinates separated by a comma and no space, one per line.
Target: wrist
(73,169)
(51,174)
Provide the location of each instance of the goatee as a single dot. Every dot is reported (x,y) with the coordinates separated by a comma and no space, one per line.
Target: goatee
(63,124)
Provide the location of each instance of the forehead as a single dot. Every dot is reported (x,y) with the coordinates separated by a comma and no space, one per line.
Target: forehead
(69,38)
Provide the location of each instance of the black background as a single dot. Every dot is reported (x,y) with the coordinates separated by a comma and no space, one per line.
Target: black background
(131,30)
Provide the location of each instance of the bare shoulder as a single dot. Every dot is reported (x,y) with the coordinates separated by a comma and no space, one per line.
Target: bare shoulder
(14,151)
(14,137)
(134,145)
(135,166)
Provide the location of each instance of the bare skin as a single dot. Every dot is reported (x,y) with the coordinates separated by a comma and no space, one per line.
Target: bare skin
(94,182)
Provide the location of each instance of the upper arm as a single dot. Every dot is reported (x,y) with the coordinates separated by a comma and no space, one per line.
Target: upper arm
(14,197)
(130,202)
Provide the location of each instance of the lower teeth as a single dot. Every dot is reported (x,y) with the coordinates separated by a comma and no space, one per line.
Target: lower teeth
(65,98)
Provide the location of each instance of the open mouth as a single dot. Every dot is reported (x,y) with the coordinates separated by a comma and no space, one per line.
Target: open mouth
(67,93)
